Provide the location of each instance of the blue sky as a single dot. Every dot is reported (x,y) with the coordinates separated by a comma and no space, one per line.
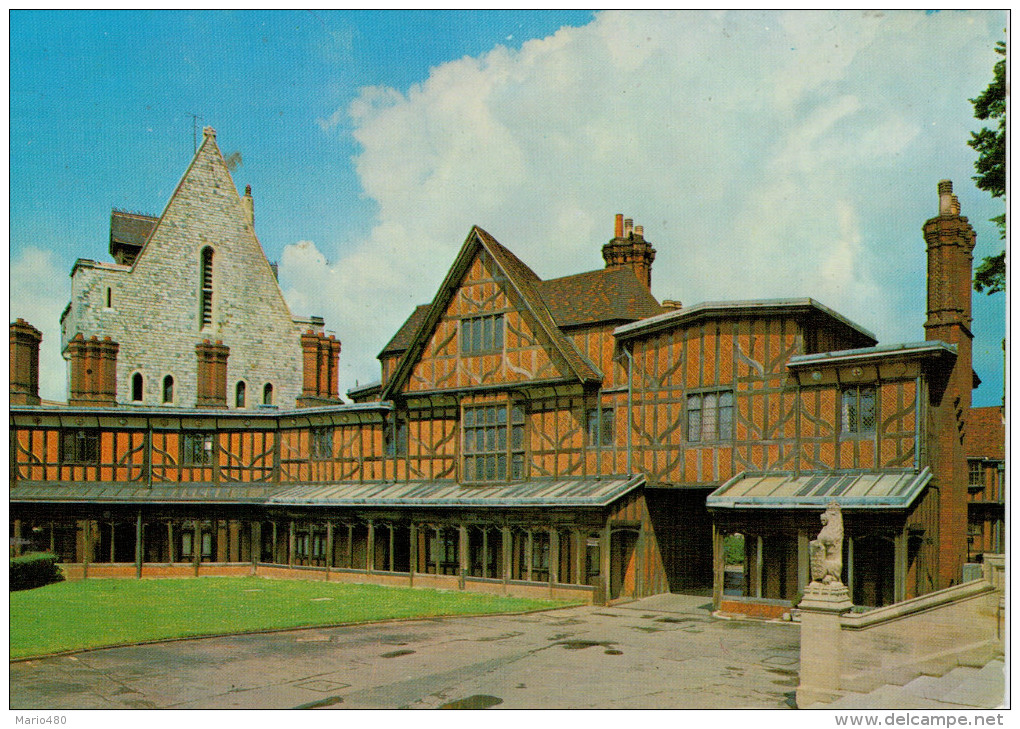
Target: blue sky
(767,154)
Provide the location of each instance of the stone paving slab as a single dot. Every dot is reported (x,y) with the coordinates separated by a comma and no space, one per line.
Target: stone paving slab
(663,652)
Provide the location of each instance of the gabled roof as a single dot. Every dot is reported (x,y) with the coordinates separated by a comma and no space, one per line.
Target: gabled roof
(520,278)
(985,434)
(605,295)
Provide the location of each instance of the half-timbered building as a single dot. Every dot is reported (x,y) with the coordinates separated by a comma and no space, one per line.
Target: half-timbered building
(569,437)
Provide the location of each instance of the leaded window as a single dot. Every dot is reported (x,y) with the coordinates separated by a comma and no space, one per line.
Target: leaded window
(79,446)
(601,427)
(322,443)
(395,437)
(197,449)
(493,443)
(975,473)
(710,416)
(481,334)
(858,409)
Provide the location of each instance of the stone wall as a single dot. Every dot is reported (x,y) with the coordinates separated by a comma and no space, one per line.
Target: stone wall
(155,306)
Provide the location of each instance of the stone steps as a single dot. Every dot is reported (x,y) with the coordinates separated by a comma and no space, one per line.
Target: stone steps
(964,687)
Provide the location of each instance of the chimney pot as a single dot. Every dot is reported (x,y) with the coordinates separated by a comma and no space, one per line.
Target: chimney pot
(945,197)
(247,190)
(619,226)
(628,227)
(639,230)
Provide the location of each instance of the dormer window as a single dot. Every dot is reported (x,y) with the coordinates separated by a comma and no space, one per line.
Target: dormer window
(858,410)
(206,283)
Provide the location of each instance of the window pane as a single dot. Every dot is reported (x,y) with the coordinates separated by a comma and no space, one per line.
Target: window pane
(501,466)
(517,466)
(867,409)
(487,333)
(469,417)
(693,425)
(501,439)
(476,336)
(517,437)
(516,414)
(708,419)
(725,422)
(608,429)
(500,414)
(490,468)
(497,334)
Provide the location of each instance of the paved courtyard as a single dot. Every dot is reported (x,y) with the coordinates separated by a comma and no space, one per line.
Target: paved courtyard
(663,652)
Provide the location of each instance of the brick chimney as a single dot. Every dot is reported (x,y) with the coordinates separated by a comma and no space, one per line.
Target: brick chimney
(949,239)
(211,387)
(93,371)
(629,249)
(24,374)
(320,360)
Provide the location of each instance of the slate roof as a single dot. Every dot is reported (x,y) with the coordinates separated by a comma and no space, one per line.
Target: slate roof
(114,493)
(985,434)
(598,296)
(815,490)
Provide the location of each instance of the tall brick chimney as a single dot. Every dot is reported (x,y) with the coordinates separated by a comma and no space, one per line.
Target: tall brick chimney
(629,249)
(320,360)
(93,371)
(211,387)
(24,374)
(950,239)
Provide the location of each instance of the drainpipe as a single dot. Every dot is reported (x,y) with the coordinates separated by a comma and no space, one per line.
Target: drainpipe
(630,405)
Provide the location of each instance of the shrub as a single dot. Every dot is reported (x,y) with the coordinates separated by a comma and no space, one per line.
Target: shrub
(34,569)
(733,547)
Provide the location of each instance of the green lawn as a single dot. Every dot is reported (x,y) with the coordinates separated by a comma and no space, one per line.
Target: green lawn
(97,612)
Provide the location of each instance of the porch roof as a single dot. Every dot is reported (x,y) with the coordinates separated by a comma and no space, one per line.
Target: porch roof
(135,493)
(815,490)
(573,492)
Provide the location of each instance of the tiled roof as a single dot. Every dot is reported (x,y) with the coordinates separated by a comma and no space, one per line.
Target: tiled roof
(404,336)
(114,493)
(850,489)
(598,296)
(985,435)
(130,228)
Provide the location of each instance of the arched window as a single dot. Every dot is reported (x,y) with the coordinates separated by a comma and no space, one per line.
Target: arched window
(267,394)
(168,389)
(137,387)
(240,394)
(206,282)
(109,298)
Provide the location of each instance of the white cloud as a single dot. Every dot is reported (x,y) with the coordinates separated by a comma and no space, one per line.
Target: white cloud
(766,154)
(40,290)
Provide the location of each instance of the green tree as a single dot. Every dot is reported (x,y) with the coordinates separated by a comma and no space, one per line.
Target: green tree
(990,144)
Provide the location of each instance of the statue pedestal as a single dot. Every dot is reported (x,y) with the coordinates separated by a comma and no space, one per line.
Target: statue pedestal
(821,642)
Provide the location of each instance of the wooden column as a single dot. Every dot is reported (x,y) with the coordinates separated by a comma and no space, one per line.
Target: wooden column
(529,545)
(554,556)
(413,533)
(53,540)
(900,566)
(196,544)
(350,546)
(256,545)
(850,566)
(462,553)
(581,540)
(606,564)
(440,545)
(17,537)
(485,552)
(329,547)
(222,547)
(86,552)
(508,555)
(370,548)
(718,567)
(234,536)
(392,559)
(139,547)
(758,563)
(113,528)
(170,541)
(290,544)
(273,552)
(803,560)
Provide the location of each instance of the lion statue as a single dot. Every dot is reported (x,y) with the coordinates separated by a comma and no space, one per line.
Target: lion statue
(827,550)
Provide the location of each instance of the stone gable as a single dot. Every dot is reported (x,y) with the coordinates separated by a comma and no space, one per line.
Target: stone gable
(155,306)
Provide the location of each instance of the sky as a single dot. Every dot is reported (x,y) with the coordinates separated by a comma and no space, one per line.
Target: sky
(766,154)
